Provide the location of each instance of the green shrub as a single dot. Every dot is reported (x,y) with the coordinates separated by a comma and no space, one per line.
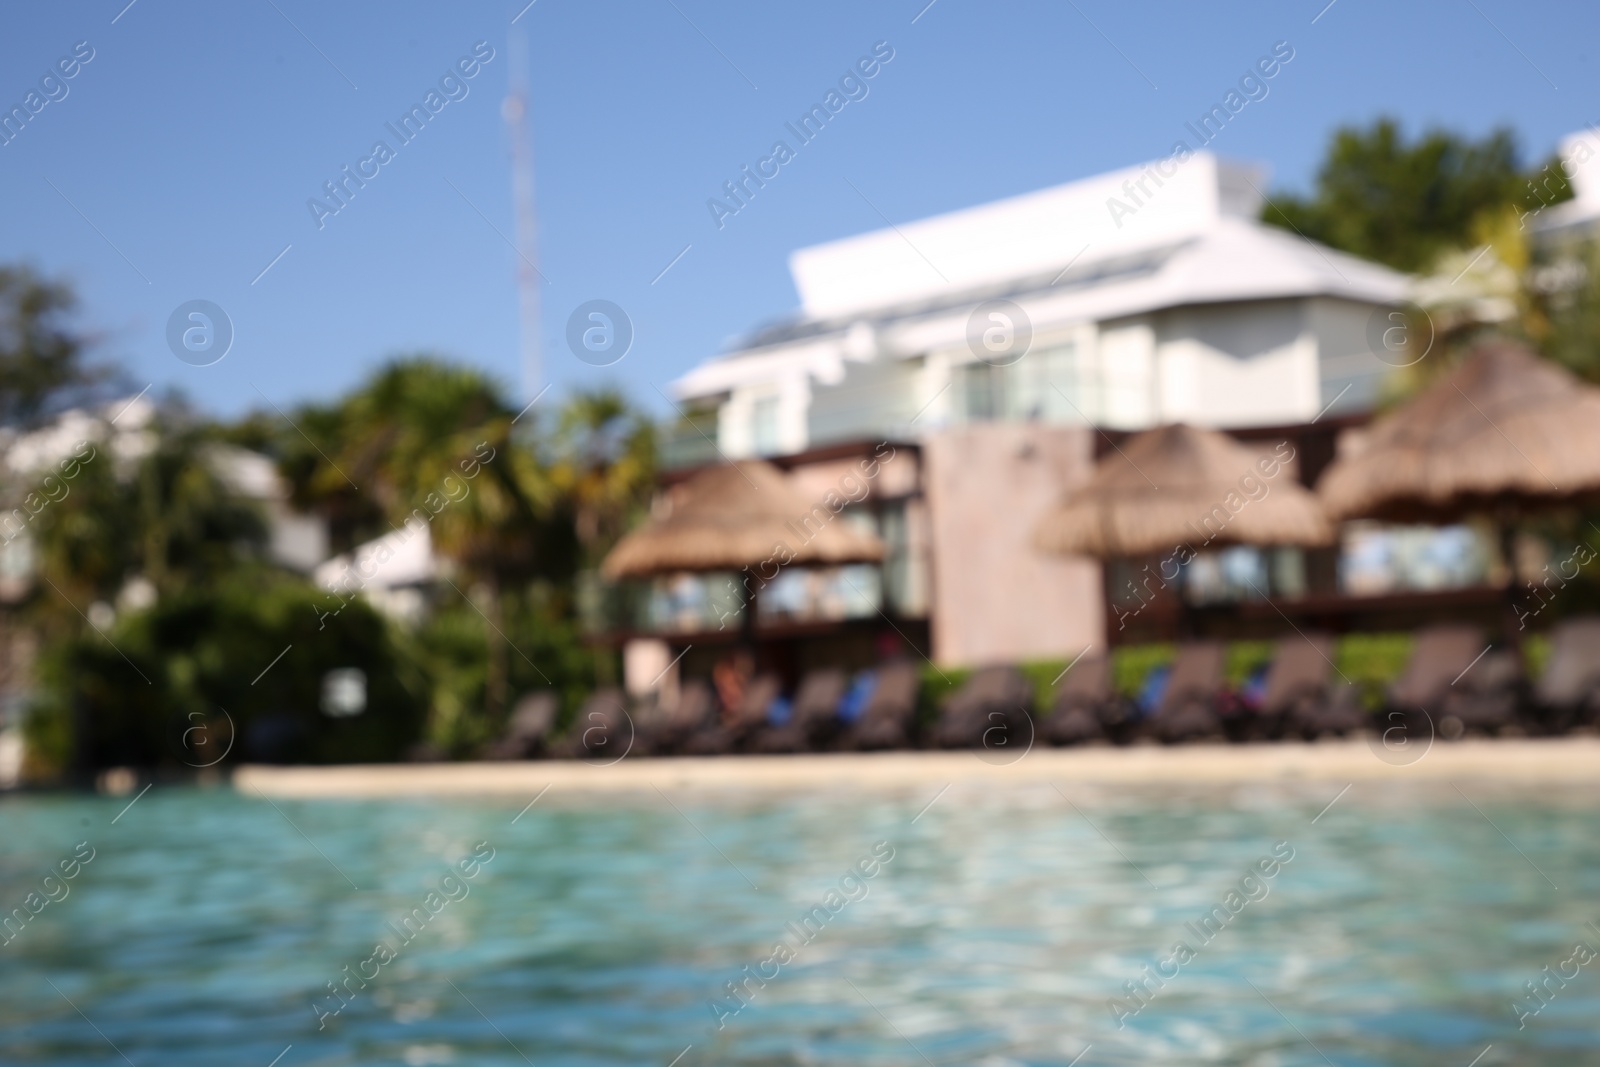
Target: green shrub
(936,686)
(1536,653)
(127,698)
(1131,664)
(1372,660)
(1043,675)
(545,651)
(1245,658)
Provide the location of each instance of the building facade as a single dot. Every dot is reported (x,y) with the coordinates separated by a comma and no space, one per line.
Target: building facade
(1005,339)
(1053,308)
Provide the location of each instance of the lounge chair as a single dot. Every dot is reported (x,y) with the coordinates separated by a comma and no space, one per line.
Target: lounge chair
(813,717)
(666,726)
(740,723)
(1302,698)
(1240,709)
(1086,708)
(603,729)
(1485,699)
(1188,708)
(1568,691)
(528,730)
(994,698)
(890,713)
(1441,655)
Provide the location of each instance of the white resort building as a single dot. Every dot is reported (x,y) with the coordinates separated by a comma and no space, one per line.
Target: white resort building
(1188,309)
(1000,348)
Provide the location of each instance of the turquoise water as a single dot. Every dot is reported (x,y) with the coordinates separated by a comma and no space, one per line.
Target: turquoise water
(205,926)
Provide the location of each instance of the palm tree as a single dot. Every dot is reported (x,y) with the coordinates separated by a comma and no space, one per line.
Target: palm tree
(490,503)
(302,450)
(425,441)
(604,465)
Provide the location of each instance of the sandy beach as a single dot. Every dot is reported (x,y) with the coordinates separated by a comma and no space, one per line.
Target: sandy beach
(1569,760)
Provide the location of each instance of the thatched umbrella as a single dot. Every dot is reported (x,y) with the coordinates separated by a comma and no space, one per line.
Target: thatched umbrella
(1181,488)
(1178,485)
(738,515)
(745,514)
(1504,435)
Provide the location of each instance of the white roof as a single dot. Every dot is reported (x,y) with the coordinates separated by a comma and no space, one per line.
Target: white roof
(1233,259)
(980,246)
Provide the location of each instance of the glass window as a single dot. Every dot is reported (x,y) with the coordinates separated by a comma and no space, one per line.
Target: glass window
(904,566)
(1288,572)
(855,593)
(1226,576)
(817,594)
(764,426)
(1375,559)
(1053,392)
(983,392)
(786,596)
(1043,385)
(686,603)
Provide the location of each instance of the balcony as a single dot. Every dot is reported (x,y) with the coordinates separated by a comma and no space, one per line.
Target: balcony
(689,441)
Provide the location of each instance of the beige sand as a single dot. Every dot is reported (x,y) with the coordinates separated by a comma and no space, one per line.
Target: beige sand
(1571,760)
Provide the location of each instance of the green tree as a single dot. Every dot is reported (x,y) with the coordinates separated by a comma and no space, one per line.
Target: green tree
(301,450)
(604,464)
(1562,286)
(425,441)
(167,516)
(1403,202)
(42,363)
(188,678)
(155,510)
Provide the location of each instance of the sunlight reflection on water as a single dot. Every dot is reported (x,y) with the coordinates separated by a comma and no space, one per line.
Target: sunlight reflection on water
(208,925)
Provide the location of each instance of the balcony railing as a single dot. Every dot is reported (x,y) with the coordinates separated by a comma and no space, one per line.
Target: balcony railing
(690,442)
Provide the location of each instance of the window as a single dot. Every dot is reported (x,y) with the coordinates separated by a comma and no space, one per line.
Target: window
(821,594)
(1226,576)
(1375,558)
(1054,392)
(687,603)
(1043,385)
(983,388)
(764,426)
(904,564)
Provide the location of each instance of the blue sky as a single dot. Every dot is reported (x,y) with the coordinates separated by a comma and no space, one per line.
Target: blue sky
(193,139)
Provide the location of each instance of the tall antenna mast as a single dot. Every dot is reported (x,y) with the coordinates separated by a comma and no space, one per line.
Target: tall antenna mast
(516,113)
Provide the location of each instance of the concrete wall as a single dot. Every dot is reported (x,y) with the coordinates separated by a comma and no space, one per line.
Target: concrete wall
(1243,364)
(873,400)
(1125,359)
(736,419)
(1352,359)
(997,599)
